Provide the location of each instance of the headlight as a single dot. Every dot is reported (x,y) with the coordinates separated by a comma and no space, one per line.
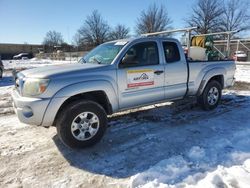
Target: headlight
(34,86)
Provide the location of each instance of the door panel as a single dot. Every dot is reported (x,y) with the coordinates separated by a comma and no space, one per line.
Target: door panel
(140,76)
(138,86)
(176,79)
(175,71)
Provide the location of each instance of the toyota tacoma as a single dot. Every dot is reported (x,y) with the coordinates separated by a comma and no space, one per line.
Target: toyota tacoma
(115,76)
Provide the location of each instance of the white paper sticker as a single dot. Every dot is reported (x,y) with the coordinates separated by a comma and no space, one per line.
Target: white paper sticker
(136,78)
(122,43)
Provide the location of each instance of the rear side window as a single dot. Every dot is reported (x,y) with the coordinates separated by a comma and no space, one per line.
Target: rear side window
(171,52)
(142,54)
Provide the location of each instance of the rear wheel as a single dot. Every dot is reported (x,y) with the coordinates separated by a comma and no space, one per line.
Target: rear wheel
(81,124)
(211,95)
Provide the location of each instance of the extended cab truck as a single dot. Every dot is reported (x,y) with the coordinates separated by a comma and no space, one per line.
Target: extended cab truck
(115,76)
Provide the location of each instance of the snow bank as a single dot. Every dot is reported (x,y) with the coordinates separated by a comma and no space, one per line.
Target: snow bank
(235,176)
(32,63)
(242,73)
(169,170)
(168,174)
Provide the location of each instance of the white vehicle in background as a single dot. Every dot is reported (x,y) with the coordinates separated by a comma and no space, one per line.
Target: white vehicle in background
(240,56)
(22,56)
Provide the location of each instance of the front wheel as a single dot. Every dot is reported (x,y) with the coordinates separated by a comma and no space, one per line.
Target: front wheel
(211,95)
(81,124)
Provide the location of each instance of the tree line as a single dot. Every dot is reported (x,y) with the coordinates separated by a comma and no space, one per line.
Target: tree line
(208,15)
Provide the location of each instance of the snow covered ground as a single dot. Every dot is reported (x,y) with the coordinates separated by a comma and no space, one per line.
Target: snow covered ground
(213,151)
(242,73)
(31,63)
(167,145)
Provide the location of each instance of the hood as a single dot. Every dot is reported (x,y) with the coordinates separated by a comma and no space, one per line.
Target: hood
(59,70)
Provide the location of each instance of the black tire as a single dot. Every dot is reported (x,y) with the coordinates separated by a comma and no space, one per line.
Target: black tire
(1,73)
(204,100)
(72,111)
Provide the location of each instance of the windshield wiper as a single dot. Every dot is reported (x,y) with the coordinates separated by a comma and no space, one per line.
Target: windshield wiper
(96,60)
(82,60)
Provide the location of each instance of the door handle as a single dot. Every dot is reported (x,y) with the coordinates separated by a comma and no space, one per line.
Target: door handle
(158,72)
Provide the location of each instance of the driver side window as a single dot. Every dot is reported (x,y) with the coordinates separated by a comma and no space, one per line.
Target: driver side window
(142,54)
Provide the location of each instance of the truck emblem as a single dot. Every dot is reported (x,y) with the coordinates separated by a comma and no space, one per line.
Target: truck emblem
(143,76)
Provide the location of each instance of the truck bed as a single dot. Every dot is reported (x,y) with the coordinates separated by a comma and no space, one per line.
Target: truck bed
(197,70)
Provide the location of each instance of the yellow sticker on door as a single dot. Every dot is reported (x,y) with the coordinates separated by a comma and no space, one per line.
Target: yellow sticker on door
(136,78)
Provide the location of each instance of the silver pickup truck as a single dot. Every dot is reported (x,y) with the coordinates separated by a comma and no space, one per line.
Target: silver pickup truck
(115,76)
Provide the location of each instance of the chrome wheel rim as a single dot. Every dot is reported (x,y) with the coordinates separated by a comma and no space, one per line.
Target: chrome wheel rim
(85,126)
(213,96)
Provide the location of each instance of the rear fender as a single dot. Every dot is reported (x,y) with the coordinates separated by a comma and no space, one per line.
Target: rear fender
(207,77)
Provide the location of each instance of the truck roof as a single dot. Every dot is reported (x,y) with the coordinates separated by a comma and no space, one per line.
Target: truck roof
(142,38)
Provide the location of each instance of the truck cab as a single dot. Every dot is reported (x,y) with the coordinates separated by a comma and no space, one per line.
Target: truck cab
(145,72)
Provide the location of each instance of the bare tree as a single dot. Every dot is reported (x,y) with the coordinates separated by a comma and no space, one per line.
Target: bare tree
(154,19)
(119,32)
(77,40)
(53,38)
(94,31)
(206,15)
(236,15)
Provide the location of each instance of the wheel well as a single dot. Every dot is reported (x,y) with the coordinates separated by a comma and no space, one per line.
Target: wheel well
(218,78)
(97,96)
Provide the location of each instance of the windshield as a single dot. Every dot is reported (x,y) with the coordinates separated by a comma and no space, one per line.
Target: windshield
(103,54)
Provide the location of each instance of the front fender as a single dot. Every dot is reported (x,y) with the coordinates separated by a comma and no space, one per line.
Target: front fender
(82,87)
(208,75)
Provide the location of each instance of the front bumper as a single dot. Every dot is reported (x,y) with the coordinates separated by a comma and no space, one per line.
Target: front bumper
(229,82)
(29,110)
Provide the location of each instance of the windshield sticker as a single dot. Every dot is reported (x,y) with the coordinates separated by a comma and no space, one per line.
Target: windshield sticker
(136,78)
(121,43)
